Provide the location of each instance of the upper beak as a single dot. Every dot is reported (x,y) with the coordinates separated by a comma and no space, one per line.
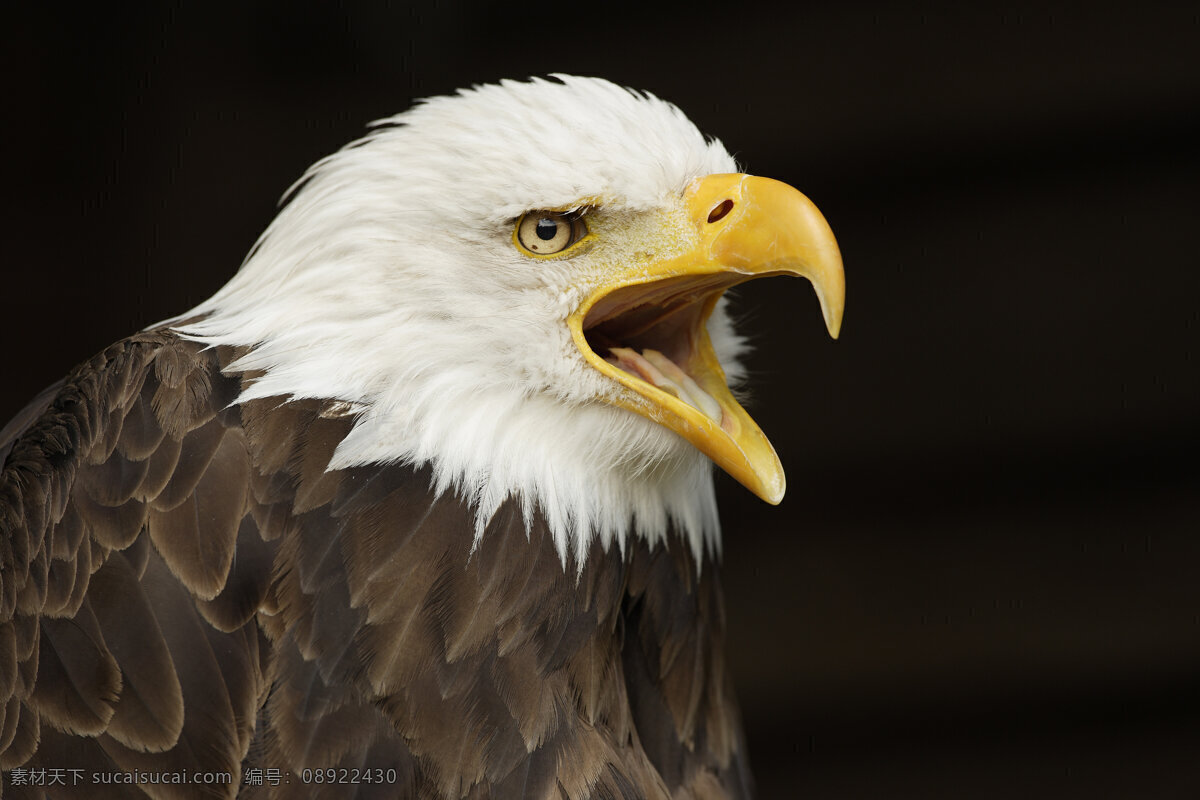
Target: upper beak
(748,227)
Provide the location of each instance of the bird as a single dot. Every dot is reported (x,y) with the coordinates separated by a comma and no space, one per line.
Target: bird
(421,503)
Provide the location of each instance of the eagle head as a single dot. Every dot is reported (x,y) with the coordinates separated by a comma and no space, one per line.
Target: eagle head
(521,286)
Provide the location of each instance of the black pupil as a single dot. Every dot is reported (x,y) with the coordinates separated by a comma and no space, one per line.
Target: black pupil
(547,229)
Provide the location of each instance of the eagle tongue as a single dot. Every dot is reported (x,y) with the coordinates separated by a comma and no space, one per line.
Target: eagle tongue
(655,368)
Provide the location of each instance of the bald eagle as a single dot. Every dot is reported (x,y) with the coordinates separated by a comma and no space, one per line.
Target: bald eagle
(420,504)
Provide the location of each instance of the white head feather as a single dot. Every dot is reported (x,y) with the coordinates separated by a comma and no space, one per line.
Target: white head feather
(390,281)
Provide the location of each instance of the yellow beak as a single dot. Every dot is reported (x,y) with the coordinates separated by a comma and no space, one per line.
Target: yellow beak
(748,227)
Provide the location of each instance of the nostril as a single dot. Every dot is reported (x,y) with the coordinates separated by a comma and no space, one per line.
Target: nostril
(720,210)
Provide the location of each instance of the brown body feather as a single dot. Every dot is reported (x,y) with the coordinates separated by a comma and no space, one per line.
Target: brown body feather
(185,588)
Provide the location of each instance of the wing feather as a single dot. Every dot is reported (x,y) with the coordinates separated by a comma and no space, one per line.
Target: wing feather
(140,432)
(197,450)
(113,481)
(79,682)
(150,714)
(27,732)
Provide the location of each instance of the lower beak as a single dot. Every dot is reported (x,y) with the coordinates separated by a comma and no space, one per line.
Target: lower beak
(748,227)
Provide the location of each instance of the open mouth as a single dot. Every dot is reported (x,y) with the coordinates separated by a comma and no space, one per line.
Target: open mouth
(644,326)
(655,332)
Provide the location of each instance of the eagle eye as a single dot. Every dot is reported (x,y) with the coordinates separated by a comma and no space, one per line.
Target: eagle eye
(545,233)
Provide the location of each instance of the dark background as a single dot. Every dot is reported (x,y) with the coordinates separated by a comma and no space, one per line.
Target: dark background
(983,581)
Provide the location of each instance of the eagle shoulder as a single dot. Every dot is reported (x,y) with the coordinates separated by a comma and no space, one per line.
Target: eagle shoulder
(186,586)
(123,497)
